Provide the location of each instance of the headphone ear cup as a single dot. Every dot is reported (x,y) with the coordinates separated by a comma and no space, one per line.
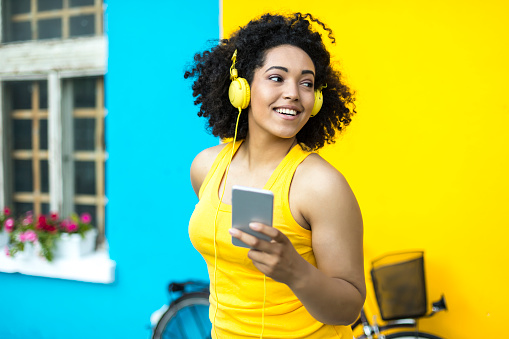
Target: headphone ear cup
(239,93)
(318,102)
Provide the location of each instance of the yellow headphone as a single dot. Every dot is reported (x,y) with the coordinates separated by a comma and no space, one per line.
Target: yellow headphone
(240,93)
(318,101)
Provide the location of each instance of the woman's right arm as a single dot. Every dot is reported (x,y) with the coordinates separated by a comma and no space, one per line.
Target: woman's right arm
(202,164)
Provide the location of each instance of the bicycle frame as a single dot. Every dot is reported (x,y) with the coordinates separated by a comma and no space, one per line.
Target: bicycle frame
(371,331)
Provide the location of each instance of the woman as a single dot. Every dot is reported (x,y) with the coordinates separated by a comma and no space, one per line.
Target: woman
(308,281)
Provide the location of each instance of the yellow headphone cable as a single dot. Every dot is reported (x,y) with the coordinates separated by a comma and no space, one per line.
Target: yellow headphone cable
(215,242)
(217,213)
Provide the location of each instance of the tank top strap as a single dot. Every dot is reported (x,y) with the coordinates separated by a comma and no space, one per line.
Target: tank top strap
(219,166)
(283,175)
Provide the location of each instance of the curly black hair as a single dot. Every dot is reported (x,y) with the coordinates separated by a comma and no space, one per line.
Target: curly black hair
(211,71)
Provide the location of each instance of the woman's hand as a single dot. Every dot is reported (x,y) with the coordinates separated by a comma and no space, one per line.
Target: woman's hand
(277,259)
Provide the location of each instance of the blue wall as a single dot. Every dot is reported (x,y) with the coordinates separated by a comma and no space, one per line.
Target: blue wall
(152,135)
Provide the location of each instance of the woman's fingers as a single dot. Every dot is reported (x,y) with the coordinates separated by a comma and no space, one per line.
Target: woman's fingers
(253,241)
(272,232)
(248,239)
(271,258)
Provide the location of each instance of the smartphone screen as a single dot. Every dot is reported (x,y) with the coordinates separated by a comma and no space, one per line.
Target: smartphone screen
(251,205)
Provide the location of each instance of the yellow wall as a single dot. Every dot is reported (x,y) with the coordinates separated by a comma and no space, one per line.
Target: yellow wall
(427,155)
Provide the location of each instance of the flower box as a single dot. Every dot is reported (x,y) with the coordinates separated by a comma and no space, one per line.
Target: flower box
(73,246)
(29,253)
(48,236)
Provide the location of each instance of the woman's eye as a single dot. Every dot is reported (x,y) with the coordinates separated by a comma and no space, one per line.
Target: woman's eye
(308,84)
(276,78)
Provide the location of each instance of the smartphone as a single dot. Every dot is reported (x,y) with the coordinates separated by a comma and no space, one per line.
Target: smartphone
(251,205)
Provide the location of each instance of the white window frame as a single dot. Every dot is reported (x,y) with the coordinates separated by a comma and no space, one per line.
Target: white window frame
(54,61)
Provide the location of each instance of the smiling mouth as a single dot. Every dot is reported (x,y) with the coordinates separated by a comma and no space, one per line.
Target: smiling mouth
(287,111)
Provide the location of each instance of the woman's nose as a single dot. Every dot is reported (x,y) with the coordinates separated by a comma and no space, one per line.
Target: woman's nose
(291,91)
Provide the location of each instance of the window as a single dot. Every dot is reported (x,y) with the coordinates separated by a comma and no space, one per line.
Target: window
(52,110)
(51,19)
(81,153)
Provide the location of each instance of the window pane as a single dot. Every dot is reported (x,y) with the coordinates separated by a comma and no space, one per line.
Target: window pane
(43,94)
(44,176)
(20,208)
(84,180)
(19,6)
(82,25)
(84,134)
(79,3)
(49,28)
(23,181)
(21,93)
(90,209)
(47,5)
(45,208)
(43,134)
(20,31)
(84,92)
(22,134)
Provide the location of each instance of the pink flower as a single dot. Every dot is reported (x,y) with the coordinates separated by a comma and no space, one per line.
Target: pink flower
(86,218)
(30,236)
(54,216)
(72,227)
(41,224)
(9,225)
(7,253)
(7,211)
(22,237)
(68,226)
(28,220)
(64,223)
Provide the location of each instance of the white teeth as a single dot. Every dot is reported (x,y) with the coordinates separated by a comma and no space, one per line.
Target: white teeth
(286,111)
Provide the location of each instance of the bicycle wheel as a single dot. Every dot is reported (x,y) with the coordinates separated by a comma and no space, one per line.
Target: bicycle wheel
(411,335)
(186,318)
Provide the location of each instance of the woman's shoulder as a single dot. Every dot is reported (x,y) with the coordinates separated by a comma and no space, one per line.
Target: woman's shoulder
(317,174)
(314,164)
(209,154)
(321,194)
(202,164)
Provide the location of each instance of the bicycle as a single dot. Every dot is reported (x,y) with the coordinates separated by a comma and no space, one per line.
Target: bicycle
(400,291)
(187,316)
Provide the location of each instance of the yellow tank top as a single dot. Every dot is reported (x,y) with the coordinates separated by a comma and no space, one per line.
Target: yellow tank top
(239,285)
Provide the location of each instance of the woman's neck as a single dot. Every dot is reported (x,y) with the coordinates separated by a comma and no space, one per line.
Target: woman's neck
(262,153)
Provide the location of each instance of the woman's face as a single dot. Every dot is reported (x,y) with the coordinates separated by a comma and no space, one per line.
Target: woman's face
(282,92)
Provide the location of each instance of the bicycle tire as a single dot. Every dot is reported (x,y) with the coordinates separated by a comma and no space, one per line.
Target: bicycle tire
(186,318)
(411,335)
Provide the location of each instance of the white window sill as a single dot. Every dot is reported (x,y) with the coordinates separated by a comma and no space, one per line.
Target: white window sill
(96,267)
